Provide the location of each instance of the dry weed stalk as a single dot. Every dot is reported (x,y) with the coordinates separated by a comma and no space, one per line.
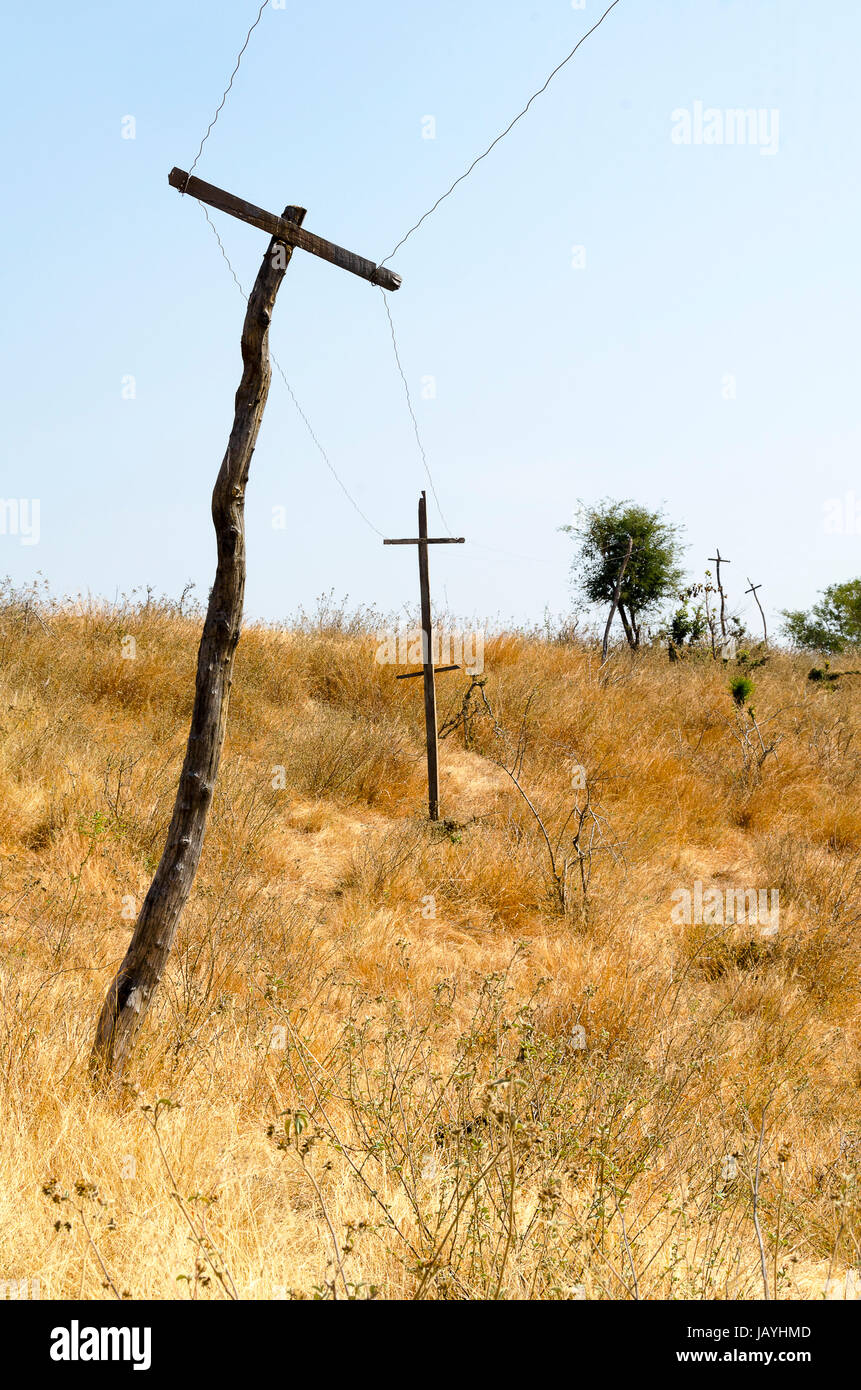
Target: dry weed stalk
(500,1108)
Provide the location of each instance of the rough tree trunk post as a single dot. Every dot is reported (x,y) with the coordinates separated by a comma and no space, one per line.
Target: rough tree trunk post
(131,992)
(752,590)
(719,560)
(616,592)
(710,622)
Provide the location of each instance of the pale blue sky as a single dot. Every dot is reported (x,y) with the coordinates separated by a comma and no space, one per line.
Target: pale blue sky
(552,383)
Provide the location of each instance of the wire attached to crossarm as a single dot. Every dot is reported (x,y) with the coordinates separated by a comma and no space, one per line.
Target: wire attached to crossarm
(277,365)
(494,143)
(413,414)
(227,88)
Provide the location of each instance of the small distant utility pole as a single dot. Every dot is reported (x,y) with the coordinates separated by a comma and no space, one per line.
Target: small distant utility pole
(719,560)
(752,590)
(428,671)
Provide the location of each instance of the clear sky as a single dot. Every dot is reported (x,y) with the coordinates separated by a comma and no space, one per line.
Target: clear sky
(699,352)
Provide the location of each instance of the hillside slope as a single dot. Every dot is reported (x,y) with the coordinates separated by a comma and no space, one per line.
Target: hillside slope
(406,1060)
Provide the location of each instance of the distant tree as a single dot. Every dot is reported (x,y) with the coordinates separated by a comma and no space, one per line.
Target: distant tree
(689,624)
(686,626)
(832,625)
(652,573)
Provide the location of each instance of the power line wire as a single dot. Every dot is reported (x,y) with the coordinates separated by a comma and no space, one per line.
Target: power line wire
(304,418)
(350,498)
(412,413)
(502,136)
(433,209)
(275,361)
(402,242)
(237,282)
(228,87)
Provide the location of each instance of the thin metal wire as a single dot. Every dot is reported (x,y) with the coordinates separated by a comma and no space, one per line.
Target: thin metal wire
(505,132)
(277,365)
(325,457)
(202,207)
(413,414)
(403,240)
(433,209)
(228,87)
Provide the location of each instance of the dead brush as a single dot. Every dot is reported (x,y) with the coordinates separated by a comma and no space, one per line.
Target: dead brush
(350,758)
(383,864)
(574,835)
(589,1114)
(525,1166)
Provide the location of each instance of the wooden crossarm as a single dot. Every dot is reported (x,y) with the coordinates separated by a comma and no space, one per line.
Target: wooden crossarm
(286,231)
(411,675)
(430,540)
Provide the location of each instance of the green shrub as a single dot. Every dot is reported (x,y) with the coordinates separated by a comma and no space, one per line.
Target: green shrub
(741,689)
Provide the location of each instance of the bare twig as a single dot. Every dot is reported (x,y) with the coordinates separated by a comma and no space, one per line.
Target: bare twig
(756,1225)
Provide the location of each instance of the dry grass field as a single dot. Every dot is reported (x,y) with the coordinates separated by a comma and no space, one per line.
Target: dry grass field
(404,1061)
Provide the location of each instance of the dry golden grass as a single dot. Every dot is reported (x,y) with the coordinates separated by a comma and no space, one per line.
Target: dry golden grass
(385,1061)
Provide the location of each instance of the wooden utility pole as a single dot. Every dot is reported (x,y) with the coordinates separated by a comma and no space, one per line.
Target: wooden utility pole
(719,560)
(284,229)
(428,670)
(134,985)
(752,590)
(709,619)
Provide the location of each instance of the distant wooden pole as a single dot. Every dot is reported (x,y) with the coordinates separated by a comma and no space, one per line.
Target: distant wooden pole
(427,653)
(131,991)
(752,590)
(710,620)
(428,671)
(719,560)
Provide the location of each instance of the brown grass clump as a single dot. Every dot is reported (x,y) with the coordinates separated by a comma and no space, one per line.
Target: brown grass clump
(474,1060)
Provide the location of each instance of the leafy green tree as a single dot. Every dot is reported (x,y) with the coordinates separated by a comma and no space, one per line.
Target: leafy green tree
(653,572)
(832,625)
(687,626)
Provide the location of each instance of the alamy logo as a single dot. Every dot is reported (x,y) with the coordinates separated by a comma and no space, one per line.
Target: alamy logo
(408,647)
(76,1343)
(19,1288)
(842,515)
(712,125)
(714,907)
(20,517)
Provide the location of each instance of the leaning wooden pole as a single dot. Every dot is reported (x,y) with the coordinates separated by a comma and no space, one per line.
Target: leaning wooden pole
(137,979)
(752,590)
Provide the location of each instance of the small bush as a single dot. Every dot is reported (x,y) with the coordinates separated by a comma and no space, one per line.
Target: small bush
(741,689)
